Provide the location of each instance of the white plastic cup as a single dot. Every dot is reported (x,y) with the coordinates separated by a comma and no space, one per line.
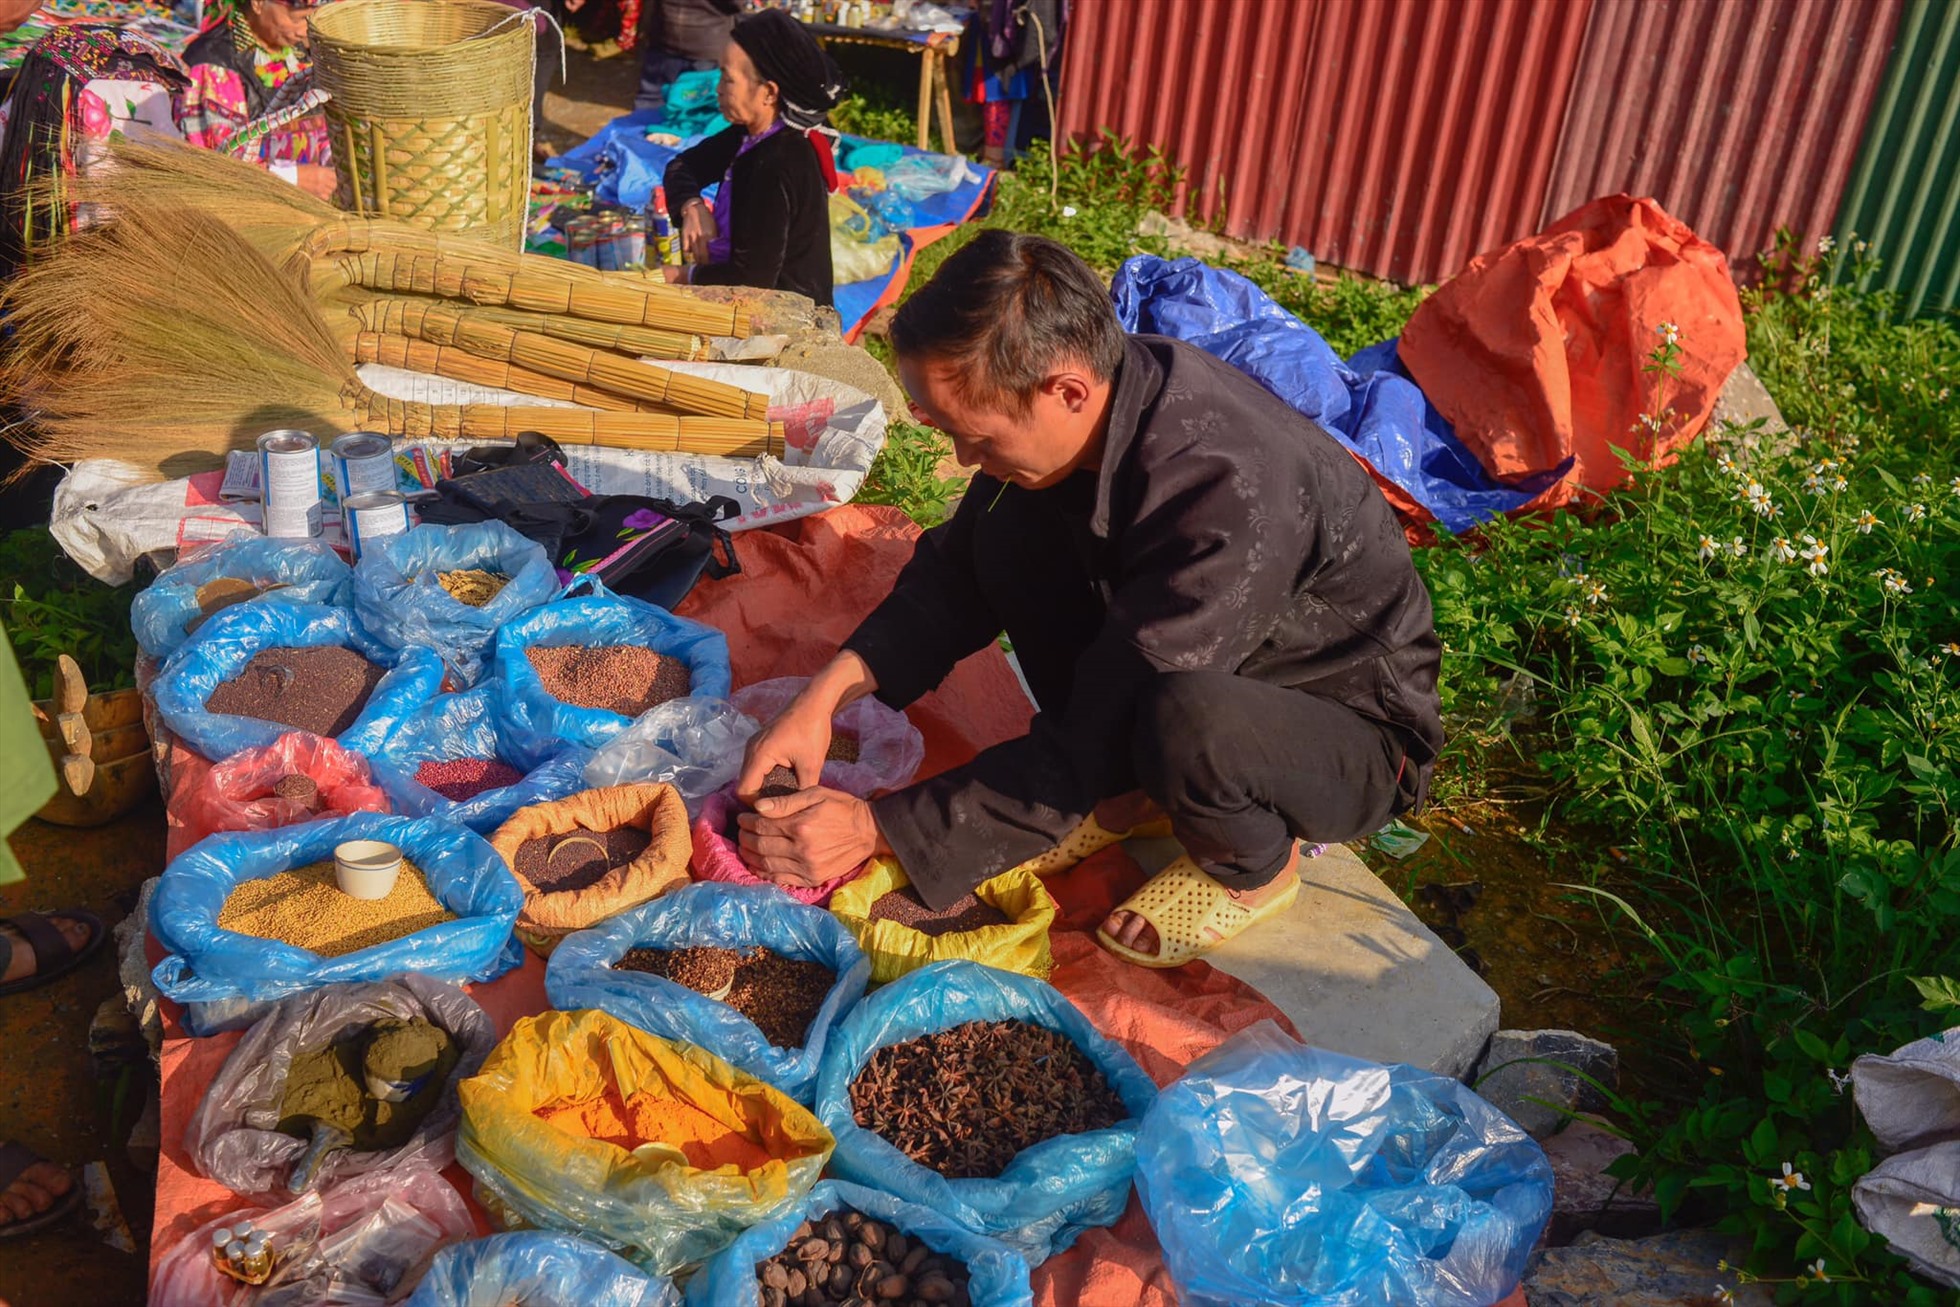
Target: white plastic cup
(366,869)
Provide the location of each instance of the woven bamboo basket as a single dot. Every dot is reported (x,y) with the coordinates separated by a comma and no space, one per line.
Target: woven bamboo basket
(431,111)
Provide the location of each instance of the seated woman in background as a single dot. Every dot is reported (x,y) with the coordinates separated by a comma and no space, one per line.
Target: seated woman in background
(770,223)
(247,67)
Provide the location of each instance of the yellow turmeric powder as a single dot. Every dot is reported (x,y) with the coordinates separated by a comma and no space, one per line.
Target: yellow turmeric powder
(646,1118)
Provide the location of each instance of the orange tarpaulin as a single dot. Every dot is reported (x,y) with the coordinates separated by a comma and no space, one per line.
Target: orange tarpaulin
(1535,351)
(802,589)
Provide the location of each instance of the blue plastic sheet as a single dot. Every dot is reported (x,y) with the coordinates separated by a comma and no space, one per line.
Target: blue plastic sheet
(536,725)
(1049,1193)
(621,162)
(580,974)
(533,1267)
(458,726)
(999,1274)
(225,644)
(1277,1173)
(304,572)
(1369,404)
(209,965)
(401,602)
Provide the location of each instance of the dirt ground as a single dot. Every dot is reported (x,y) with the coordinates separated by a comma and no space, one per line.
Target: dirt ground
(53,1100)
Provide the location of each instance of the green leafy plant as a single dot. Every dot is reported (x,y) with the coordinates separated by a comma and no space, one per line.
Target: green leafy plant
(51,607)
(906,474)
(877,113)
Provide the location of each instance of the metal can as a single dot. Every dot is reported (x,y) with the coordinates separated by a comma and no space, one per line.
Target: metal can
(363,463)
(371,517)
(289,484)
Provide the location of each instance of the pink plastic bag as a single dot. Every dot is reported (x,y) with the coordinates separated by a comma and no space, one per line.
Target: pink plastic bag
(238,795)
(370,1239)
(889,751)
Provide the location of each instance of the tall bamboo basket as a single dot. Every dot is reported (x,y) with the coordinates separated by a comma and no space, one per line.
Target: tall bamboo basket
(431,111)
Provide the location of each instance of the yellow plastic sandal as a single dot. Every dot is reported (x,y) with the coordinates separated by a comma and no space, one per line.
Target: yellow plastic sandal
(1087,838)
(1191,913)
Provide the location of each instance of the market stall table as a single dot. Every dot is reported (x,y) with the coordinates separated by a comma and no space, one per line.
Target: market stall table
(936,52)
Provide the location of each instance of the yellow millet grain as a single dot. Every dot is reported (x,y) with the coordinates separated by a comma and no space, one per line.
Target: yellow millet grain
(472,586)
(304,907)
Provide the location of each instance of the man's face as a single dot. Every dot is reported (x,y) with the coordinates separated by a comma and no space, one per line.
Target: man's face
(1035,449)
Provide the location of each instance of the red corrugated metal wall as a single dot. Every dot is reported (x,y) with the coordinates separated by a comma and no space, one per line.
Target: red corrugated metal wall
(1401,137)
(1759,129)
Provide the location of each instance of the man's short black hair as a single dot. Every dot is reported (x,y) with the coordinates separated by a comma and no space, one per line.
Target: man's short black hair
(1009,309)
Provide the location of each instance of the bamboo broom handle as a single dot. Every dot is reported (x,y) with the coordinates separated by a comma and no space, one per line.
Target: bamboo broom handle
(727,437)
(446,361)
(638,342)
(445,325)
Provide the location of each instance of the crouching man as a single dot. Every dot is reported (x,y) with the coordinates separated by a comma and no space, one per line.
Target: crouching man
(1214,608)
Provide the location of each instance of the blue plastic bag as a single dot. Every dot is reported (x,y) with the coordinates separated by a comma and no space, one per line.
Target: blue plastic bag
(537,724)
(210,965)
(402,603)
(458,726)
(1277,1173)
(1369,406)
(999,1274)
(1048,1194)
(223,645)
(533,1267)
(580,974)
(304,572)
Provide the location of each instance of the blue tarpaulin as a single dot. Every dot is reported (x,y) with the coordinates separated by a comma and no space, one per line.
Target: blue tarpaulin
(1368,403)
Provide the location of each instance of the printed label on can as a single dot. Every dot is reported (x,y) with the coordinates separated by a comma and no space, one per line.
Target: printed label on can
(364,464)
(289,484)
(372,517)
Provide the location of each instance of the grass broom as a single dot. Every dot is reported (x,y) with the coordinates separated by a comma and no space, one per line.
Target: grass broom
(455,365)
(168,373)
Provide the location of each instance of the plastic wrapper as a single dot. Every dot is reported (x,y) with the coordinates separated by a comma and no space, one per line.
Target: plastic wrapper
(358,1244)
(549,916)
(581,974)
(894,949)
(1049,1193)
(537,723)
(538,1270)
(1277,1173)
(225,644)
(282,571)
(205,964)
(648,1203)
(237,794)
(694,744)
(999,1275)
(399,596)
(460,726)
(233,1137)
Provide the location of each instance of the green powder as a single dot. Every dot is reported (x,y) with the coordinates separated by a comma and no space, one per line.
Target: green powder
(331,1086)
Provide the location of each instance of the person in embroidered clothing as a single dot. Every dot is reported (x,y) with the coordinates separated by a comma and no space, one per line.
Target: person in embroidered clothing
(247,69)
(769,225)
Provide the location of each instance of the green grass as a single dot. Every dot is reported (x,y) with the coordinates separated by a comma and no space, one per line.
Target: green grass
(50,607)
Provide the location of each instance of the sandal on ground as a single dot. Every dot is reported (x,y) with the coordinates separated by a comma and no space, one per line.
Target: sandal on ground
(1087,838)
(14,1161)
(1191,913)
(53,957)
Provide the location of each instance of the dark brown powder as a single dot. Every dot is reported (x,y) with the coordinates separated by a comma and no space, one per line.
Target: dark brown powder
(621,678)
(781,995)
(578,858)
(316,688)
(906,908)
(843,748)
(296,788)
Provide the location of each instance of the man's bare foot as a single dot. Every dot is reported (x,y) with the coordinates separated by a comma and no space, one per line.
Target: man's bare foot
(1133,932)
(22,963)
(33,1192)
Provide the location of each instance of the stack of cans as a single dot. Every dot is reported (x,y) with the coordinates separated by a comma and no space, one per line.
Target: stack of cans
(608,242)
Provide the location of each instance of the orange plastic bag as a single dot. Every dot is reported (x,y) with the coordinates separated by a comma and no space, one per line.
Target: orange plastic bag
(238,793)
(1535,352)
(655,809)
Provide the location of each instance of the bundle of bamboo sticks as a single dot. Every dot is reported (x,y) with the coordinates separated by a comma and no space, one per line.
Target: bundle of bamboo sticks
(269,299)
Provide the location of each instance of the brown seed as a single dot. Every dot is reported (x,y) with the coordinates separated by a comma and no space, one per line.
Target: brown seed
(873,1235)
(861,1255)
(892,1286)
(774,1276)
(896,1246)
(813,1250)
(833,1230)
(773,1296)
(316,688)
(797,1284)
(935,1289)
(914,1258)
(841,1276)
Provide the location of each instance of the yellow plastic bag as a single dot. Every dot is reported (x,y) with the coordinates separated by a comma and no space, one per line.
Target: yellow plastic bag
(855,255)
(648,1202)
(1021,945)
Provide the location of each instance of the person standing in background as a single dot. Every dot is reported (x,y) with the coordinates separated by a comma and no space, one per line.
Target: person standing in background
(680,36)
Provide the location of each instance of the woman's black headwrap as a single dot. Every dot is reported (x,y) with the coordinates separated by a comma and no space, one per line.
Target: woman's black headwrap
(784,53)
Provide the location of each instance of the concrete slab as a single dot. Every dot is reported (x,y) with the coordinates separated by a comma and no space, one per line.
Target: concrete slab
(1359,974)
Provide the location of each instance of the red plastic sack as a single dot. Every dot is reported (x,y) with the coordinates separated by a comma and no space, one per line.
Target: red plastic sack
(237,794)
(717,858)
(1535,351)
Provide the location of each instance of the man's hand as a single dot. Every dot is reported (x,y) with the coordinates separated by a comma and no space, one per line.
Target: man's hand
(798,739)
(809,838)
(697,229)
(318,180)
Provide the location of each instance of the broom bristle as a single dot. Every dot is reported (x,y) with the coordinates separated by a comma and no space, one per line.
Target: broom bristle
(165,372)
